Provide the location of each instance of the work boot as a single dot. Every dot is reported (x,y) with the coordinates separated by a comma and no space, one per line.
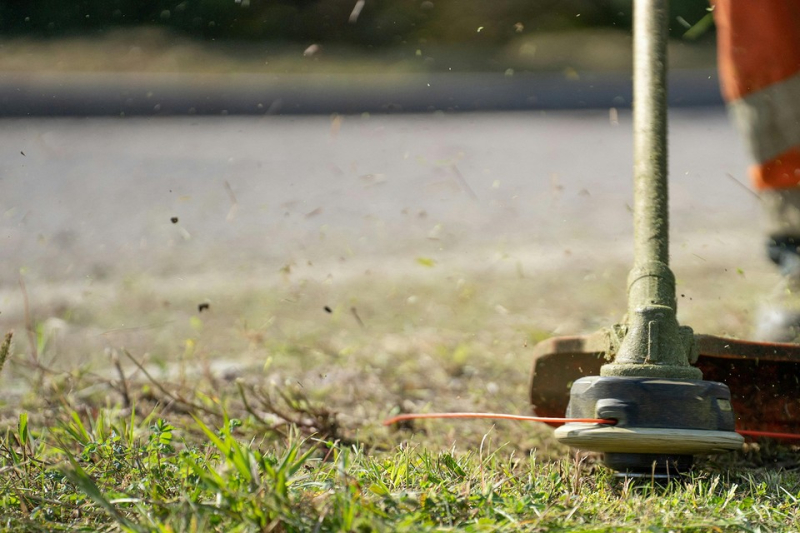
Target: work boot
(779,318)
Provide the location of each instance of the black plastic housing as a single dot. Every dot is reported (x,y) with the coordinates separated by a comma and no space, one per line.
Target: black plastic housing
(652,403)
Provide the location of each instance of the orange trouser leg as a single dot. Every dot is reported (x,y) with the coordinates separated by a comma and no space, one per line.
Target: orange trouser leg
(759,64)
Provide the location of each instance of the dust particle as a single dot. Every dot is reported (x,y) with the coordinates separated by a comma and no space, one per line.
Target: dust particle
(312,50)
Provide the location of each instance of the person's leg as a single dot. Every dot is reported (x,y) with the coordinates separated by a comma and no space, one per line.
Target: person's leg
(759,64)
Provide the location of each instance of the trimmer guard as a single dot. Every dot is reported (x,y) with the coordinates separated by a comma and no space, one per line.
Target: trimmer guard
(764,378)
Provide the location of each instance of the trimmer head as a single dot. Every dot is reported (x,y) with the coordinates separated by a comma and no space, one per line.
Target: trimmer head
(664,410)
(753,387)
(762,377)
(660,423)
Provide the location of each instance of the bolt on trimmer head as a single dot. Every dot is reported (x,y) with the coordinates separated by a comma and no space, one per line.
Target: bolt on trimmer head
(665,412)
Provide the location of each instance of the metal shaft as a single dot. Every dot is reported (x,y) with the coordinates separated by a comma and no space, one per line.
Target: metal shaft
(651,214)
(654,344)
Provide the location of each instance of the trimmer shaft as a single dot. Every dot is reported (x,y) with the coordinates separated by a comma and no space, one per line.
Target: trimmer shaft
(665,412)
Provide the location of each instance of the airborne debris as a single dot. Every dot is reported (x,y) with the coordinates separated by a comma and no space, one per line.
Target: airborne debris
(356,11)
(313,213)
(234,202)
(373,179)
(683,22)
(613,116)
(312,50)
(358,318)
(463,182)
(336,125)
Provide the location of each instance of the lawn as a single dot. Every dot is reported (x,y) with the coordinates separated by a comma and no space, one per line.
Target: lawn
(263,410)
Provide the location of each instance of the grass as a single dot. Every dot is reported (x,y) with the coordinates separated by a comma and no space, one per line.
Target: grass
(113,471)
(263,412)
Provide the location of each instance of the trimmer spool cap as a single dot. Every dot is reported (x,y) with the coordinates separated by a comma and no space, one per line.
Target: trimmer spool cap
(661,423)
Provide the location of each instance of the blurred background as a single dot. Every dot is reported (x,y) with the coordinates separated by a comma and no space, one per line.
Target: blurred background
(405,35)
(325,168)
(215,56)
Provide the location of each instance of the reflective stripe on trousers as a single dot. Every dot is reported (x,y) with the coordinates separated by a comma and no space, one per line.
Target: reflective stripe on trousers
(759,64)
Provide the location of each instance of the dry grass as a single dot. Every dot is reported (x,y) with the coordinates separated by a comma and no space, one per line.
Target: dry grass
(136,410)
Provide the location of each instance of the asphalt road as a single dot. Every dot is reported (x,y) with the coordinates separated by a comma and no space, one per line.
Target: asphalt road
(48,94)
(100,196)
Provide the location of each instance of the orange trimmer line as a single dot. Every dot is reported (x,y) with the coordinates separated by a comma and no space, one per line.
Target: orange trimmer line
(501,416)
(560,421)
(767,434)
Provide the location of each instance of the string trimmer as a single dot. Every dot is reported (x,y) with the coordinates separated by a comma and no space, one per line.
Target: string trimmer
(647,373)
(635,391)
